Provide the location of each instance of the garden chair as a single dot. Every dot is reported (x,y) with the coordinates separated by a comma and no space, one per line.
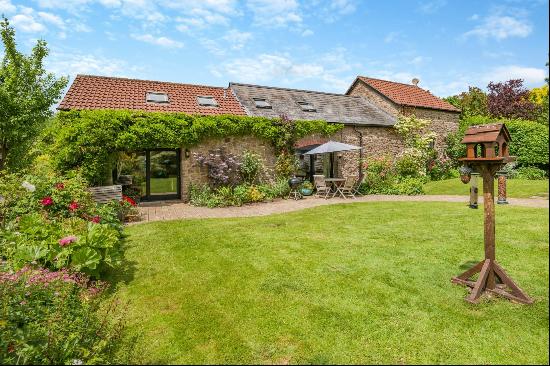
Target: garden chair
(356,185)
(347,189)
(321,186)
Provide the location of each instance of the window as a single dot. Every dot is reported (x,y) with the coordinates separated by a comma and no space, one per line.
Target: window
(207,101)
(156,97)
(307,107)
(262,103)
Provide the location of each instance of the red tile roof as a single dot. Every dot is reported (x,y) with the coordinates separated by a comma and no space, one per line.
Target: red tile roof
(101,92)
(408,94)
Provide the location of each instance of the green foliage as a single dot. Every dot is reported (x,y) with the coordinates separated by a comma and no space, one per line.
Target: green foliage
(382,177)
(27,92)
(471,103)
(251,167)
(529,139)
(286,165)
(53,222)
(238,195)
(411,163)
(90,139)
(57,318)
(528,172)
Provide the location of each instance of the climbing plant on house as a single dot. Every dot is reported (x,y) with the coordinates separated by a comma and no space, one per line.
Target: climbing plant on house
(91,139)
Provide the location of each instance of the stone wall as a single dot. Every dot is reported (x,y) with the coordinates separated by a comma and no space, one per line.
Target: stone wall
(443,122)
(191,173)
(376,142)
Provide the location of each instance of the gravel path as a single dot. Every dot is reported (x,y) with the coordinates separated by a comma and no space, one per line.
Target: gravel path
(170,210)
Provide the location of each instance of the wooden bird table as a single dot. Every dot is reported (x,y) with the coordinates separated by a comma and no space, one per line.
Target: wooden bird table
(492,277)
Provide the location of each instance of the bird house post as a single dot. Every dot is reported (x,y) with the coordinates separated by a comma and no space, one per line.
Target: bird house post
(486,153)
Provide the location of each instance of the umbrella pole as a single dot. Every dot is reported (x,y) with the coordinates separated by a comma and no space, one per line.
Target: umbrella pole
(331,165)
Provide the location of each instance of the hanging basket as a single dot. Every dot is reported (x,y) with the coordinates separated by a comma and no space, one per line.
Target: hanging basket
(465,174)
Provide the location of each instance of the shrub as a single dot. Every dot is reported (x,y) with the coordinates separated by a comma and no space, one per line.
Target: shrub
(251,167)
(223,167)
(286,165)
(410,186)
(411,163)
(380,176)
(442,168)
(54,222)
(57,318)
(529,172)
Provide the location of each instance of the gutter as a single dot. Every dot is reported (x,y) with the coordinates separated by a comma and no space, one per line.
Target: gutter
(360,134)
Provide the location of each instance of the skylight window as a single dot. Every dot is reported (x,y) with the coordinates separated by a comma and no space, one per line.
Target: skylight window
(207,101)
(262,103)
(307,107)
(156,97)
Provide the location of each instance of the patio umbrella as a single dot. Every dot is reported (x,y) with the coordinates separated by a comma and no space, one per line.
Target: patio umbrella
(330,147)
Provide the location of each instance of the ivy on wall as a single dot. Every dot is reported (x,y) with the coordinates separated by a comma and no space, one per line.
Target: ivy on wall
(90,139)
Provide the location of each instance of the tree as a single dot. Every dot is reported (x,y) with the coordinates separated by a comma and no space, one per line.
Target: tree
(471,103)
(27,92)
(511,100)
(539,96)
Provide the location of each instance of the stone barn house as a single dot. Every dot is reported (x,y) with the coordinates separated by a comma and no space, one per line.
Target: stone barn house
(368,111)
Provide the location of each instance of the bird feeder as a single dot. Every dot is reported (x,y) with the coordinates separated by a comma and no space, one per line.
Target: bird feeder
(486,153)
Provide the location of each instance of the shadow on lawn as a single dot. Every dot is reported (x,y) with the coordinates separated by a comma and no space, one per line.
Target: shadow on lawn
(124,273)
(467,265)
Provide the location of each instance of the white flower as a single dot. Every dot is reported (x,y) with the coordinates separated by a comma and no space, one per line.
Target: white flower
(29,187)
(76,361)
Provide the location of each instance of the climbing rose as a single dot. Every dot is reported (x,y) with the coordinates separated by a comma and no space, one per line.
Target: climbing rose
(47,201)
(96,219)
(128,199)
(67,240)
(73,206)
(59,185)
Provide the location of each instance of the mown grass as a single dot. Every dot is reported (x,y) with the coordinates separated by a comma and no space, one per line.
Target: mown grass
(517,188)
(355,283)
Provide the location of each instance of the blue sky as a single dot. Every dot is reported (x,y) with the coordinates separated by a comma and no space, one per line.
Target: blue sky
(310,44)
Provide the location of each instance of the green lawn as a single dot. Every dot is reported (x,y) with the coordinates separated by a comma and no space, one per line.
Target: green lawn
(518,188)
(355,283)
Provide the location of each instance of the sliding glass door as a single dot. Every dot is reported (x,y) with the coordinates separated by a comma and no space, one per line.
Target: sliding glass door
(154,173)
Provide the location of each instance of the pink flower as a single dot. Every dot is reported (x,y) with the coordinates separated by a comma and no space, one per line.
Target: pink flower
(59,185)
(73,206)
(96,219)
(67,240)
(47,201)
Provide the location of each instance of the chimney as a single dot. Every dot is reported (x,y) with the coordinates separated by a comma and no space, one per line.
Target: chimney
(415,81)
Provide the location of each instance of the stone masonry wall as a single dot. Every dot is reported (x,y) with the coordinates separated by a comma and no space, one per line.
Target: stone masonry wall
(443,122)
(191,173)
(377,142)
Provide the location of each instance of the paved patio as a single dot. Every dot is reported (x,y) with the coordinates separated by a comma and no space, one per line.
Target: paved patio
(171,210)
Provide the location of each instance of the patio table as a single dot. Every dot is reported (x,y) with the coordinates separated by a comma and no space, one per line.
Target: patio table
(336,183)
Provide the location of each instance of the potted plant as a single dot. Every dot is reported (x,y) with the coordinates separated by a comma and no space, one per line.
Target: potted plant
(307,188)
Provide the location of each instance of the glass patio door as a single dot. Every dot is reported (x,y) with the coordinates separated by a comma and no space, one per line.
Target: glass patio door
(163,174)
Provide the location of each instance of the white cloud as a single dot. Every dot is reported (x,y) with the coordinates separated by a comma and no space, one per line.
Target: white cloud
(531,75)
(391,37)
(27,23)
(271,13)
(336,9)
(237,40)
(500,27)
(51,18)
(419,60)
(430,7)
(69,63)
(329,72)
(6,7)
(159,41)
(307,33)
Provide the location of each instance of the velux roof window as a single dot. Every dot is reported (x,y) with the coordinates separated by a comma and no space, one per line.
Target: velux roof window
(207,101)
(157,97)
(307,107)
(262,103)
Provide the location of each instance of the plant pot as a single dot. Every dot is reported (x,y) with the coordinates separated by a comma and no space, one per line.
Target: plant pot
(306,191)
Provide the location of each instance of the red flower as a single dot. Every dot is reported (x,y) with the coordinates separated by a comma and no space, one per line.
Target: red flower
(47,201)
(96,219)
(73,206)
(129,200)
(59,185)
